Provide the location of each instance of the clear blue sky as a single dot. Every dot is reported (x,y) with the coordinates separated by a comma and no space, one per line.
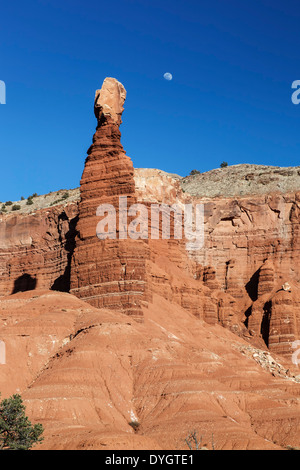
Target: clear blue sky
(233,63)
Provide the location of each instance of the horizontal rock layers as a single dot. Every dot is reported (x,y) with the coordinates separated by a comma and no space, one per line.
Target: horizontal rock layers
(253,248)
(36,249)
(108,272)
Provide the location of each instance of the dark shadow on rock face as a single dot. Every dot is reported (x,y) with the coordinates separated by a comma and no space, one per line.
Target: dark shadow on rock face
(265,324)
(24,283)
(62,283)
(252,286)
(248,314)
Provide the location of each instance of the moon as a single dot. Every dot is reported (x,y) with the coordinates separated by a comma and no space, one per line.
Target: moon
(168,76)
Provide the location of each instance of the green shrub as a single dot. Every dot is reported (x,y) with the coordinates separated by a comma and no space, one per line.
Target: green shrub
(32,196)
(55,202)
(16,207)
(16,431)
(8,203)
(29,201)
(224,165)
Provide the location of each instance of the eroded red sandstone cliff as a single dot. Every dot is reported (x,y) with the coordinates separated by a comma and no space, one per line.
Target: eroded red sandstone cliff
(86,372)
(251,246)
(36,249)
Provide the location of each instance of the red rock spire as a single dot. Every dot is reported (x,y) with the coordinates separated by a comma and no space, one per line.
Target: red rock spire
(107,273)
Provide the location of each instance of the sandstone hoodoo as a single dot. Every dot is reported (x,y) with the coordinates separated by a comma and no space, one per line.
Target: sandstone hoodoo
(107,273)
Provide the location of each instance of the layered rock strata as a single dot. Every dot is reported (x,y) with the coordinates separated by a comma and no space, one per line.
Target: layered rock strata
(253,248)
(108,272)
(36,249)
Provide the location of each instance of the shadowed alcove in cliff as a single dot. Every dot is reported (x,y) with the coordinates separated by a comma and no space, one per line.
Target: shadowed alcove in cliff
(265,324)
(62,283)
(24,283)
(248,314)
(252,286)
